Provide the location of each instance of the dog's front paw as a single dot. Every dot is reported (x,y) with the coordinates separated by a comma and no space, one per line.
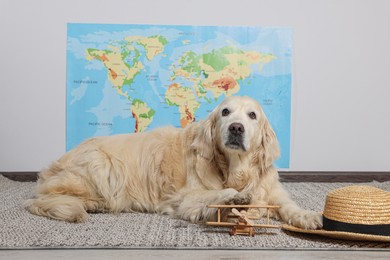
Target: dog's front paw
(241,198)
(306,220)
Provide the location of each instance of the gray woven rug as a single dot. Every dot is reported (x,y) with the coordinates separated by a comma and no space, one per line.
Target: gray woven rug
(21,230)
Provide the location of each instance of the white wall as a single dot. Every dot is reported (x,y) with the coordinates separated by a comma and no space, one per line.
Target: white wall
(341,83)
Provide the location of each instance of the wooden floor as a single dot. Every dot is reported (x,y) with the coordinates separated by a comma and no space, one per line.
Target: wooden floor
(97,254)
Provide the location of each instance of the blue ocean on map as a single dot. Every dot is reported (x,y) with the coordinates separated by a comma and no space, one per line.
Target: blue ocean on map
(134,78)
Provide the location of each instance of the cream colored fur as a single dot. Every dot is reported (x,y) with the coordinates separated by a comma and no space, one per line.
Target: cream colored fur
(172,171)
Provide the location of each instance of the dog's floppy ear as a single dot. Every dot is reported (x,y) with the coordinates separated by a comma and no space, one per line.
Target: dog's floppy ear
(205,157)
(268,150)
(203,142)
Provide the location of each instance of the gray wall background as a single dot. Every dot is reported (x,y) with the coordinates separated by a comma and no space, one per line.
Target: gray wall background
(341,83)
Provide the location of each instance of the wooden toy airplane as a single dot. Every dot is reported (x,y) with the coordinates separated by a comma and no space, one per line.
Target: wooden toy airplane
(244,225)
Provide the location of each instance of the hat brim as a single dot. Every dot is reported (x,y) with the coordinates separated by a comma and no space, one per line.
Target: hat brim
(339,234)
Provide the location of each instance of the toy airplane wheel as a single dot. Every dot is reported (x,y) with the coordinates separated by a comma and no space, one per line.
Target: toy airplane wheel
(233,231)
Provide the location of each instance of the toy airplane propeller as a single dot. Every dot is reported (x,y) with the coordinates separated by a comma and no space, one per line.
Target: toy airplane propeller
(243,217)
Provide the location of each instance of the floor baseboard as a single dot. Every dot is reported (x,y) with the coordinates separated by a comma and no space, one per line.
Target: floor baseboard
(21,176)
(285,176)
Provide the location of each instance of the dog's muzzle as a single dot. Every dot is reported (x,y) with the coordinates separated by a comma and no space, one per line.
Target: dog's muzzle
(236,137)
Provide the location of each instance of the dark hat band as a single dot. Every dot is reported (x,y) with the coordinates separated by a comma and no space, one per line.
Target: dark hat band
(333,225)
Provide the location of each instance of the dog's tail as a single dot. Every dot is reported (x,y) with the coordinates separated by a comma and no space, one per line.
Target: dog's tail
(60,207)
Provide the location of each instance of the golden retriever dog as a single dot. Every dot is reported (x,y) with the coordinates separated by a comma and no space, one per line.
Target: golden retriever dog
(224,159)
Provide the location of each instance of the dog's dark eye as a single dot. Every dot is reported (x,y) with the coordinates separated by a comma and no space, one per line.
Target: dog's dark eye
(225,112)
(252,115)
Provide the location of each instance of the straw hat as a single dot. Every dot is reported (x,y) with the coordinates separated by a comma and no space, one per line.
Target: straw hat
(354,213)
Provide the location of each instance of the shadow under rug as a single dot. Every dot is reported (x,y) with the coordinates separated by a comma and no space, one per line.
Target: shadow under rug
(21,230)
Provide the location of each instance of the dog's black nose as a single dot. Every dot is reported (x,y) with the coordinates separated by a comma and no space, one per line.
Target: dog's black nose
(236,128)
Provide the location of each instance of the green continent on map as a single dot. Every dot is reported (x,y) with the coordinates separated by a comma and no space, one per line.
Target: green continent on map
(119,72)
(184,99)
(153,45)
(142,113)
(218,71)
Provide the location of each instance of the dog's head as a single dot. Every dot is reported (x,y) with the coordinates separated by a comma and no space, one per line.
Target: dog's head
(239,125)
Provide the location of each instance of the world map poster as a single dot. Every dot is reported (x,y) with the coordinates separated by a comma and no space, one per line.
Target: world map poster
(124,78)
